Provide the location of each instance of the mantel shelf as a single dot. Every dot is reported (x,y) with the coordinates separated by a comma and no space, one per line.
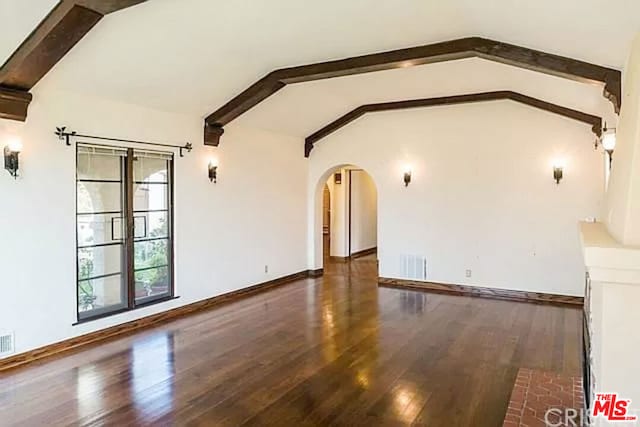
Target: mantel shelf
(607,259)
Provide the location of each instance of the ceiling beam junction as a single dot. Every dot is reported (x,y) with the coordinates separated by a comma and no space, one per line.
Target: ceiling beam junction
(594,121)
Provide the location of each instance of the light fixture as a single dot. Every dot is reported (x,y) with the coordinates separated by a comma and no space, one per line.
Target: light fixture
(558,168)
(609,144)
(11,152)
(407,176)
(337,178)
(213,170)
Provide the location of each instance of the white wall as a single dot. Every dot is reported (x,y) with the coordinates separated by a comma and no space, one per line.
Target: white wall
(482,195)
(224,234)
(364,215)
(623,195)
(339,245)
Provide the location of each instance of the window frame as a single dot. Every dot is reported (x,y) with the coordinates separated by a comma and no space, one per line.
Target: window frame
(128,213)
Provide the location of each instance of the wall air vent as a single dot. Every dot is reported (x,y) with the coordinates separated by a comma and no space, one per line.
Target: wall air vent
(6,344)
(413,267)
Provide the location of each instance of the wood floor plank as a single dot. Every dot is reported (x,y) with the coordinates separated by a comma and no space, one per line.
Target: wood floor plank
(335,350)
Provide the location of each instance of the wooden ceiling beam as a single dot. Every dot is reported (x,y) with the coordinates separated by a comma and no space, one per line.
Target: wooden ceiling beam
(58,32)
(106,7)
(594,121)
(14,104)
(469,47)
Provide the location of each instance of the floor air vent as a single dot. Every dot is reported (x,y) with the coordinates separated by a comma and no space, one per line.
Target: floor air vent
(414,267)
(6,344)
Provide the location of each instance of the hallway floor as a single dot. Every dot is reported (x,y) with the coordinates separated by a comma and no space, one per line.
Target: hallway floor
(335,350)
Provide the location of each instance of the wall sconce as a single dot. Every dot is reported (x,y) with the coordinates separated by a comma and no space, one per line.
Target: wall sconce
(558,168)
(337,178)
(11,152)
(609,144)
(407,176)
(213,170)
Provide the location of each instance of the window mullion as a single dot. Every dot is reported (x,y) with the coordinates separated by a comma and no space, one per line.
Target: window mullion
(129,252)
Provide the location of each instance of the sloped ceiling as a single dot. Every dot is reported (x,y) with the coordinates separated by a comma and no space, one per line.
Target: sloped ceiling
(191,56)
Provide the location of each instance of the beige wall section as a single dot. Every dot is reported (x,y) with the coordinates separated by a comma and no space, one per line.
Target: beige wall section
(364,215)
(622,213)
(339,215)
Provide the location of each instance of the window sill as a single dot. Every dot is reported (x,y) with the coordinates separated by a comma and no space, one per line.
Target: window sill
(125,310)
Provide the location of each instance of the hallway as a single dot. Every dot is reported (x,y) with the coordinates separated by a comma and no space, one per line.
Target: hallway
(336,349)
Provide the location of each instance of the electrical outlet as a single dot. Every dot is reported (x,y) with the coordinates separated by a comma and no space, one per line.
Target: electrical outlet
(467,273)
(266,269)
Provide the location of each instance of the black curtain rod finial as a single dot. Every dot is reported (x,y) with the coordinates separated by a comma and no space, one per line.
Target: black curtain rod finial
(64,136)
(188,146)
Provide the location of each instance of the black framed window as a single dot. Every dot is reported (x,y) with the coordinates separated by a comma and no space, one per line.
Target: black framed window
(124,229)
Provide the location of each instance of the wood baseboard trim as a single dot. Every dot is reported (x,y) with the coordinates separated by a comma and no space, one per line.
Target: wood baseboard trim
(364,252)
(477,291)
(316,273)
(338,258)
(96,337)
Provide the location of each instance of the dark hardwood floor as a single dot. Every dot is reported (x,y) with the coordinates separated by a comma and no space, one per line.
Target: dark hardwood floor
(336,350)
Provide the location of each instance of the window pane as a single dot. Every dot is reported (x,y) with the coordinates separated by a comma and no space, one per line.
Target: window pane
(99,261)
(150,169)
(154,223)
(99,197)
(95,166)
(151,254)
(150,197)
(101,295)
(98,229)
(152,282)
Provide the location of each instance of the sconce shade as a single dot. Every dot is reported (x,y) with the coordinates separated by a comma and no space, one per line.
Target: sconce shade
(609,142)
(11,163)
(213,172)
(557,173)
(407,178)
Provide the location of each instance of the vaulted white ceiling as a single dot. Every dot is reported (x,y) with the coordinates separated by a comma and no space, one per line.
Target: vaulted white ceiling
(192,56)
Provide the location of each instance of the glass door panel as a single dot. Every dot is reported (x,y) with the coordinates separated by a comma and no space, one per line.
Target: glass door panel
(101,278)
(152,221)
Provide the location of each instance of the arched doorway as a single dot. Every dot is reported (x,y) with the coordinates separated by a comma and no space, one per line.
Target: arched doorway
(344,225)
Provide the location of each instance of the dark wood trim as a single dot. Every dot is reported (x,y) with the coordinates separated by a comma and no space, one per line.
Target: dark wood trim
(14,104)
(594,121)
(106,7)
(148,321)
(349,207)
(59,31)
(338,258)
(483,292)
(609,78)
(364,252)
(129,253)
(316,273)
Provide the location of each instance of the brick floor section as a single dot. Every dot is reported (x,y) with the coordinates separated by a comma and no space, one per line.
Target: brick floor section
(535,391)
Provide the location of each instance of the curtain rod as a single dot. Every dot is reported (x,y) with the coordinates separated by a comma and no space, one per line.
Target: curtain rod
(65,136)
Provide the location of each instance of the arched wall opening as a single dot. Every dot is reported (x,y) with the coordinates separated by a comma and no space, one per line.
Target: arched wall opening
(352,228)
